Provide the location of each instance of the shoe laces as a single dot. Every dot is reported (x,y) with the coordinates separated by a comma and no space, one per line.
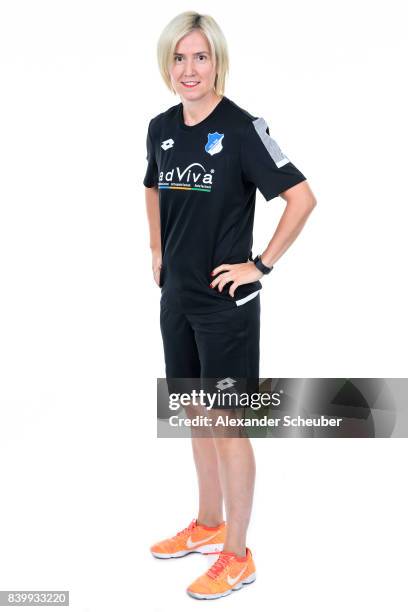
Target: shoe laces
(188,529)
(220,564)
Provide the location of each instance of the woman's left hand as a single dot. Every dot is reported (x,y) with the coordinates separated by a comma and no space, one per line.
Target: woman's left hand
(238,274)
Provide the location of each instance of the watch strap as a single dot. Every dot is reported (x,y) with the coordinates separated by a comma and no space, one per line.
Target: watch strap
(261,266)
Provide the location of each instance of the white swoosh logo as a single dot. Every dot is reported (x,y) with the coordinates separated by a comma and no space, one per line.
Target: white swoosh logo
(232,581)
(191,544)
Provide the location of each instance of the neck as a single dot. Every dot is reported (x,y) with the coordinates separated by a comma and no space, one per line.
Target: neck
(195,111)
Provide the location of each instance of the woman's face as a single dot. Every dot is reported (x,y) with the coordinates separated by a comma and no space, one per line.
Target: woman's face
(192,71)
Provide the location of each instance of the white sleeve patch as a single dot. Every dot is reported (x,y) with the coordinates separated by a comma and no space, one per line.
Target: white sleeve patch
(271,145)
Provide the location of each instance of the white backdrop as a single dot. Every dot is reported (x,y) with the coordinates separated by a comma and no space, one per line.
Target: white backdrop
(86,487)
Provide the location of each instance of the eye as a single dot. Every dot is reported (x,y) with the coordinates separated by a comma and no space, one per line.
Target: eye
(202,57)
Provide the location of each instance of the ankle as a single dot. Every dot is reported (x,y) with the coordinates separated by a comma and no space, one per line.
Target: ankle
(239,551)
(209,522)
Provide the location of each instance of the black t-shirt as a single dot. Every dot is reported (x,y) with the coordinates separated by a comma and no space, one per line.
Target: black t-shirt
(207,175)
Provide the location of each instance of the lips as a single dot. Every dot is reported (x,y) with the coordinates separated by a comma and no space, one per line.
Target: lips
(190,84)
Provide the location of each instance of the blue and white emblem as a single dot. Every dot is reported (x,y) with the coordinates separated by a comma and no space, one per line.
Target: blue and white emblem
(214,144)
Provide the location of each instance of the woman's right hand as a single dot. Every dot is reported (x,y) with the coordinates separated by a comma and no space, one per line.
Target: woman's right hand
(156,266)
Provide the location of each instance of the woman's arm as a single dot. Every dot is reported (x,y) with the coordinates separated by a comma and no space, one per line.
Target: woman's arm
(300,203)
(153,218)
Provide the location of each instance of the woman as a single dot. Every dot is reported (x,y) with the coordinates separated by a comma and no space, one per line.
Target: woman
(206,158)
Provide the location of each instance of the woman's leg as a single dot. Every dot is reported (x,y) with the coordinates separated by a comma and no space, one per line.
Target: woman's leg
(183,365)
(210,510)
(228,347)
(210,500)
(237,473)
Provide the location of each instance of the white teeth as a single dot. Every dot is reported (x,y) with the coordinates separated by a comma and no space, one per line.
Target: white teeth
(190,82)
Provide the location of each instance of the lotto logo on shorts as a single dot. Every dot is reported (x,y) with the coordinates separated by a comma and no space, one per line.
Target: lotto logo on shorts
(225,383)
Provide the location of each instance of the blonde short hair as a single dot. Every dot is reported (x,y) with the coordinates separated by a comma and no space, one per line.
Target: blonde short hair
(182,25)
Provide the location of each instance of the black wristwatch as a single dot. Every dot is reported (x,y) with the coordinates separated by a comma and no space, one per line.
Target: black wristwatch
(264,269)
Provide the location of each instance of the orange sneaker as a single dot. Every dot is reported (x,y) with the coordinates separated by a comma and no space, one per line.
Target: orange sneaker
(194,538)
(228,573)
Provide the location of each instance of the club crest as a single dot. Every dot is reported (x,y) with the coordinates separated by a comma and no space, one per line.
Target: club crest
(214,143)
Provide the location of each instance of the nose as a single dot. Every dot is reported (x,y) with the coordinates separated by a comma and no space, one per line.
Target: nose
(189,68)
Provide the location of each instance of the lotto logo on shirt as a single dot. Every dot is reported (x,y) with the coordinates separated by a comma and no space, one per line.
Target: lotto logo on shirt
(192,178)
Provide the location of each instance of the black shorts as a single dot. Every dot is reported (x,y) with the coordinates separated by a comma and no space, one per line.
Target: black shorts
(215,345)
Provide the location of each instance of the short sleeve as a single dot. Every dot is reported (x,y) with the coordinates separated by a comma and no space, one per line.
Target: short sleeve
(151,176)
(263,162)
